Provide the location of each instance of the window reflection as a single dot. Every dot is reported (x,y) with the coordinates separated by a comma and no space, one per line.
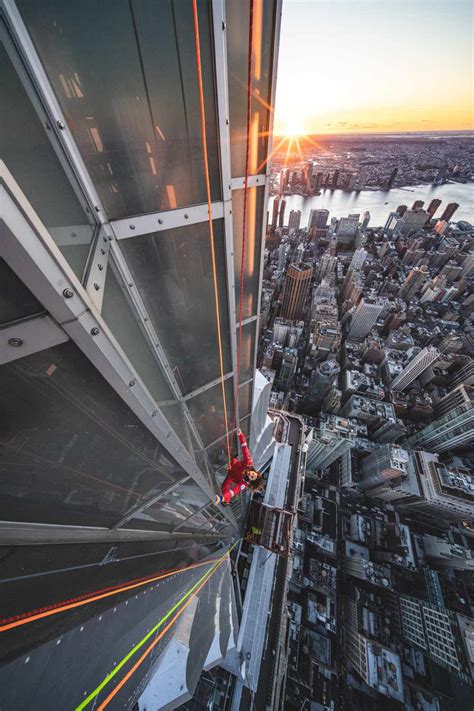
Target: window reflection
(134,113)
(237,16)
(72,450)
(253,246)
(30,158)
(173,271)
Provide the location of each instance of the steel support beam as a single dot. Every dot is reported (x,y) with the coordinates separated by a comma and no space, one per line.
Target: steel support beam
(223,113)
(254,181)
(200,510)
(166,220)
(149,502)
(42,534)
(28,336)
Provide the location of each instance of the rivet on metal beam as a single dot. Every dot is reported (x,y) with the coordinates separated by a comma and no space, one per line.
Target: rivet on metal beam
(100,267)
(186,216)
(131,384)
(96,287)
(160,221)
(68,293)
(15,342)
(132,227)
(94,331)
(60,125)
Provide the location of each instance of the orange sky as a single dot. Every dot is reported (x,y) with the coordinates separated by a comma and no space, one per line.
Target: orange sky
(346,66)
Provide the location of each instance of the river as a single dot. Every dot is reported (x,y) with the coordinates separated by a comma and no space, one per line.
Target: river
(341,203)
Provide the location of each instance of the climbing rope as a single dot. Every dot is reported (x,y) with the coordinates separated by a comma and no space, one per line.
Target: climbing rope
(209,207)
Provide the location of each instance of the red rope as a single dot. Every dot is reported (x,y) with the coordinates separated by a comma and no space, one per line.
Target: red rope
(244,217)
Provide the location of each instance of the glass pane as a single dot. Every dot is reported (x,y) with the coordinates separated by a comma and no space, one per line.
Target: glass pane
(173,271)
(237,17)
(245,400)
(119,317)
(175,416)
(16,300)
(72,451)
(217,454)
(207,410)
(29,156)
(248,351)
(173,509)
(125,76)
(253,247)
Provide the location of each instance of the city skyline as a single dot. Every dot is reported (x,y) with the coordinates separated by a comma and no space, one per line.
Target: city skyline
(388,68)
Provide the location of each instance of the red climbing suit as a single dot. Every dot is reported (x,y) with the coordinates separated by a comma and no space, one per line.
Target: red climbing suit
(235,483)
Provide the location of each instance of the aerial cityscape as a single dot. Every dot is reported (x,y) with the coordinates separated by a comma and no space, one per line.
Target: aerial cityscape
(236,355)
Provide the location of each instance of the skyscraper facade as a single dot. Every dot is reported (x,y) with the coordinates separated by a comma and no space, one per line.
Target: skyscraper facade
(364,317)
(297,282)
(449,211)
(120,252)
(426,357)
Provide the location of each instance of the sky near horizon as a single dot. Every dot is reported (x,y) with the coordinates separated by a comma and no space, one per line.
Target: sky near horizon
(375,66)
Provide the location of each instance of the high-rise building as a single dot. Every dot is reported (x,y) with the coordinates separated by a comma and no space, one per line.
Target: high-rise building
(360,255)
(364,317)
(365,221)
(433,630)
(401,209)
(281,218)
(394,224)
(453,430)
(284,179)
(347,229)
(378,666)
(433,206)
(423,360)
(275,210)
(119,365)
(449,211)
(327,267)
(417,204)
(413,282)
(458,396)
(392,177)
(318,219)
(327,442)
(294,221)
(415,219)
(335,179)
(297,282)
(445,491)
(319,385)
(386,474)
(464,375)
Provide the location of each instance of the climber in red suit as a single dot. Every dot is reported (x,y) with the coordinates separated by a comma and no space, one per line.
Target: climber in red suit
(241,475)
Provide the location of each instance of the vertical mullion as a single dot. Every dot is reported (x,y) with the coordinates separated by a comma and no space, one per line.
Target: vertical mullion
(276,46)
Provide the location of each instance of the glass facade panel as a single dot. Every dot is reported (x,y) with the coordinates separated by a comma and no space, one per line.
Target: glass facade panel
(245,400)
(173,509)
(72,451)
(237,18)
(253,247)
(125,76)
(16,300)
(247,368)
(30,158)
(207,410)
(118,315)
(173,271)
